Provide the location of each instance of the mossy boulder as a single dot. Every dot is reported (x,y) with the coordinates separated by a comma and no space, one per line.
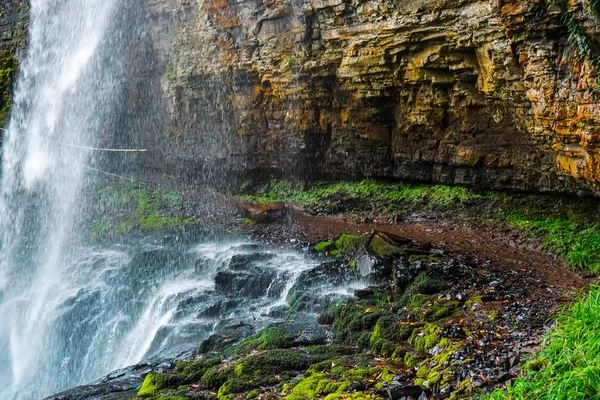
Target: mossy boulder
(272,337)
(154,383)
(193,371)
(383,248)
(225,338)
(349,244)
(325,247)
(215,377)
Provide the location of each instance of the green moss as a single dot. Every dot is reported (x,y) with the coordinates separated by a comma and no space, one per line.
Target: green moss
(369,192)
(324,247)
(99,230)
(215,377)
(472,301)
(348,244)
(154,383)
(425,284)
(252,394)
(318,354)
(383,248)
(415,305)
(270,363)
(441,309)
(536,364)
(317,385)
(426,338)
(138,208)
(425,258)
(387,330)
(192,371)
(8,68)
(409,360)
(157,222)
(353,325)
(234,386)
(272,337)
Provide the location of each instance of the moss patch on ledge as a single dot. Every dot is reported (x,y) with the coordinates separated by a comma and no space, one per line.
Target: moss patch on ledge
(127,207)
(377,194)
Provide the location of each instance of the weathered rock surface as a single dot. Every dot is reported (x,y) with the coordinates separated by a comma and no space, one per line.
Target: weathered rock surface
(489,93)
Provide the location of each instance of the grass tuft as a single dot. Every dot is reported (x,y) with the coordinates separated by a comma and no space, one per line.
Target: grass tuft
(386,194)
(568,367)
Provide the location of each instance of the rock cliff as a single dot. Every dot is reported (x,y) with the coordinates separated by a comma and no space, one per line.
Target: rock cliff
(490,93)
(499,94)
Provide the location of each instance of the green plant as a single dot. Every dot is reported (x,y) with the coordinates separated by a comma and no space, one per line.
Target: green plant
(568,366)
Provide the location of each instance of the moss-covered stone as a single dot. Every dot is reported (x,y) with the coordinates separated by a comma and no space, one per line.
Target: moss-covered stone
(427,337)
(318,354)
(441,309)
(154,383)
(192,371)
(324,247)
(8,68)
(348,244)
(425,284)
(353,324)
(476,299)
(383,248)
(272,337)
(215,377)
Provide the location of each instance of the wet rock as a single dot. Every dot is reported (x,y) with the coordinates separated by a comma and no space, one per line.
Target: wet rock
(121,384)
(504,376)
(243,261)
(253,283)
(261,213)
(399,392)
(226,337)
(373,267)
(512,361)
(393,239)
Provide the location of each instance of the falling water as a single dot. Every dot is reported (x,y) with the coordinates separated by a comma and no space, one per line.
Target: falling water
(61,89)
(71,312)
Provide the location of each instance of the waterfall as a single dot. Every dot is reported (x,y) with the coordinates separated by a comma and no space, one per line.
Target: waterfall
(62,91)
(72,311)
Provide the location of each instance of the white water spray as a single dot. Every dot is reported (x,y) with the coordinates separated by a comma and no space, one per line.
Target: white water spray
(70,313)
(57,98)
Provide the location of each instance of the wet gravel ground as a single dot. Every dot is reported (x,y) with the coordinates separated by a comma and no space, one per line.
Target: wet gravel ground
(520,289)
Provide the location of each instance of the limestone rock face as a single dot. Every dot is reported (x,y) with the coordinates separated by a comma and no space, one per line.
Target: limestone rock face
(490,93)
(494,93)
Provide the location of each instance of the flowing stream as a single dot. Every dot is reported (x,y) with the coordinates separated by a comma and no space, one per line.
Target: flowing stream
(71,312)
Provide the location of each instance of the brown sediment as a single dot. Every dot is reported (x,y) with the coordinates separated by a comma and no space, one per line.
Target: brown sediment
(501,247)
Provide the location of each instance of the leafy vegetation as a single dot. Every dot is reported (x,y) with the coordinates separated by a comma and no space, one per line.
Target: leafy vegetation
(568,367)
